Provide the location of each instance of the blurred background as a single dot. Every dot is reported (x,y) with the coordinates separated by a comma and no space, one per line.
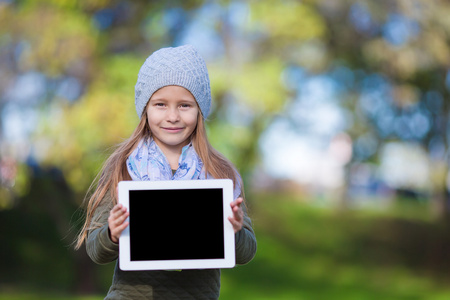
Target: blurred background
(336,113)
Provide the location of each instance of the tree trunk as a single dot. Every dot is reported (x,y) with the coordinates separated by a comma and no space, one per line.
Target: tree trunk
(439,196)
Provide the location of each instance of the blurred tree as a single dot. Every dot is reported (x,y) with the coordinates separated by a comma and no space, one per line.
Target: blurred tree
(399,53)
(111,40)
(260,38)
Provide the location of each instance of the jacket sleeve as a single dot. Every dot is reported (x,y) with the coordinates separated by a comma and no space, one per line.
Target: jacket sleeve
(245,241)
(99,246)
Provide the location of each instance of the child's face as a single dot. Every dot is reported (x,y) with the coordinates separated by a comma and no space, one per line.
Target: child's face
(172,116)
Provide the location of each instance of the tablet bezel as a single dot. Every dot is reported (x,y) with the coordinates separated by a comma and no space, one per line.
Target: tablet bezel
(125,262)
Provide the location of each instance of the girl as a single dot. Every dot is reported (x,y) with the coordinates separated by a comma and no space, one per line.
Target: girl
(172,98)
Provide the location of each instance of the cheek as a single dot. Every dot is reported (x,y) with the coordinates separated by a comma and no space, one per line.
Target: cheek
(153,117)
(191,119)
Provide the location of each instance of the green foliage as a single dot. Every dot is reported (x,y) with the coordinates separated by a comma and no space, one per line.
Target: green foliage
(259,86)
(239,135)
(65,36)
(60,38)
(86,130)
(256,89)
(288,21)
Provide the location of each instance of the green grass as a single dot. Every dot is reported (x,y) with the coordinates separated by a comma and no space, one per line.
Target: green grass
(311,253)
(10,294)
(316,253)
(44,296)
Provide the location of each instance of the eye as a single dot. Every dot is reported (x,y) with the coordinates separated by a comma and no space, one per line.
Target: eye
(185,105)
(159,104)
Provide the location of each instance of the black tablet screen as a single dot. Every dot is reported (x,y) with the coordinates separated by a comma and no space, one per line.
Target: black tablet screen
(176,224)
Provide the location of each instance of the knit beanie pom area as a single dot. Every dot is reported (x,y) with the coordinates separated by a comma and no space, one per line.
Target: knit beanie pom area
(181,66)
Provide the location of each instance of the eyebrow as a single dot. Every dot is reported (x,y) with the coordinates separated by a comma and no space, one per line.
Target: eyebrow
(179,100)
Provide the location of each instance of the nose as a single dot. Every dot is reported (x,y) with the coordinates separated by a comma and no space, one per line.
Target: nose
(173,115)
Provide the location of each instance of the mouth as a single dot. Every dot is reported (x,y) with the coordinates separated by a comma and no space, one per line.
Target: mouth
(172,129)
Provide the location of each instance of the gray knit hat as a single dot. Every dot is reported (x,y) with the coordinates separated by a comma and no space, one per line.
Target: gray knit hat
(181,66)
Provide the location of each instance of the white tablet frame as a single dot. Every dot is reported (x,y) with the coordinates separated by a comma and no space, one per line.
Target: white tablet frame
(126,264)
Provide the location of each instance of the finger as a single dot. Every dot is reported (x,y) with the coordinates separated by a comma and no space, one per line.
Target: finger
(119,229)
(237,226)
(238,217)
(117,232)
(117,220)
(119,211)
(122,218)
(232,221)
(237,202)
(117,208)
(116,217)
(236,206)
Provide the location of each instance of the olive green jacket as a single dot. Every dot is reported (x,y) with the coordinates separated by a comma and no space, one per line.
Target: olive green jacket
(186,284)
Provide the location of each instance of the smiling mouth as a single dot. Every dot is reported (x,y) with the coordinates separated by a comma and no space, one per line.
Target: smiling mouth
(172,129)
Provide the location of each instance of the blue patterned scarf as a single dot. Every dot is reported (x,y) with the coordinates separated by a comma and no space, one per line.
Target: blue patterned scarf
(147,162)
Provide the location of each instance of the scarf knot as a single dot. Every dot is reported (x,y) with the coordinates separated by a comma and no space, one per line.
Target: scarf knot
(148,163)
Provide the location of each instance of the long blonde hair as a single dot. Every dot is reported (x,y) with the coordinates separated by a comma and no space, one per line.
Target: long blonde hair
(115,170)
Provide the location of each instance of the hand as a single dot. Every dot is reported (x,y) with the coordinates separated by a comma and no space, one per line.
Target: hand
(238,214)
(116,221)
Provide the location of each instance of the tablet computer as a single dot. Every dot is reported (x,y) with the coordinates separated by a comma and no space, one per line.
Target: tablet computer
(177,224)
